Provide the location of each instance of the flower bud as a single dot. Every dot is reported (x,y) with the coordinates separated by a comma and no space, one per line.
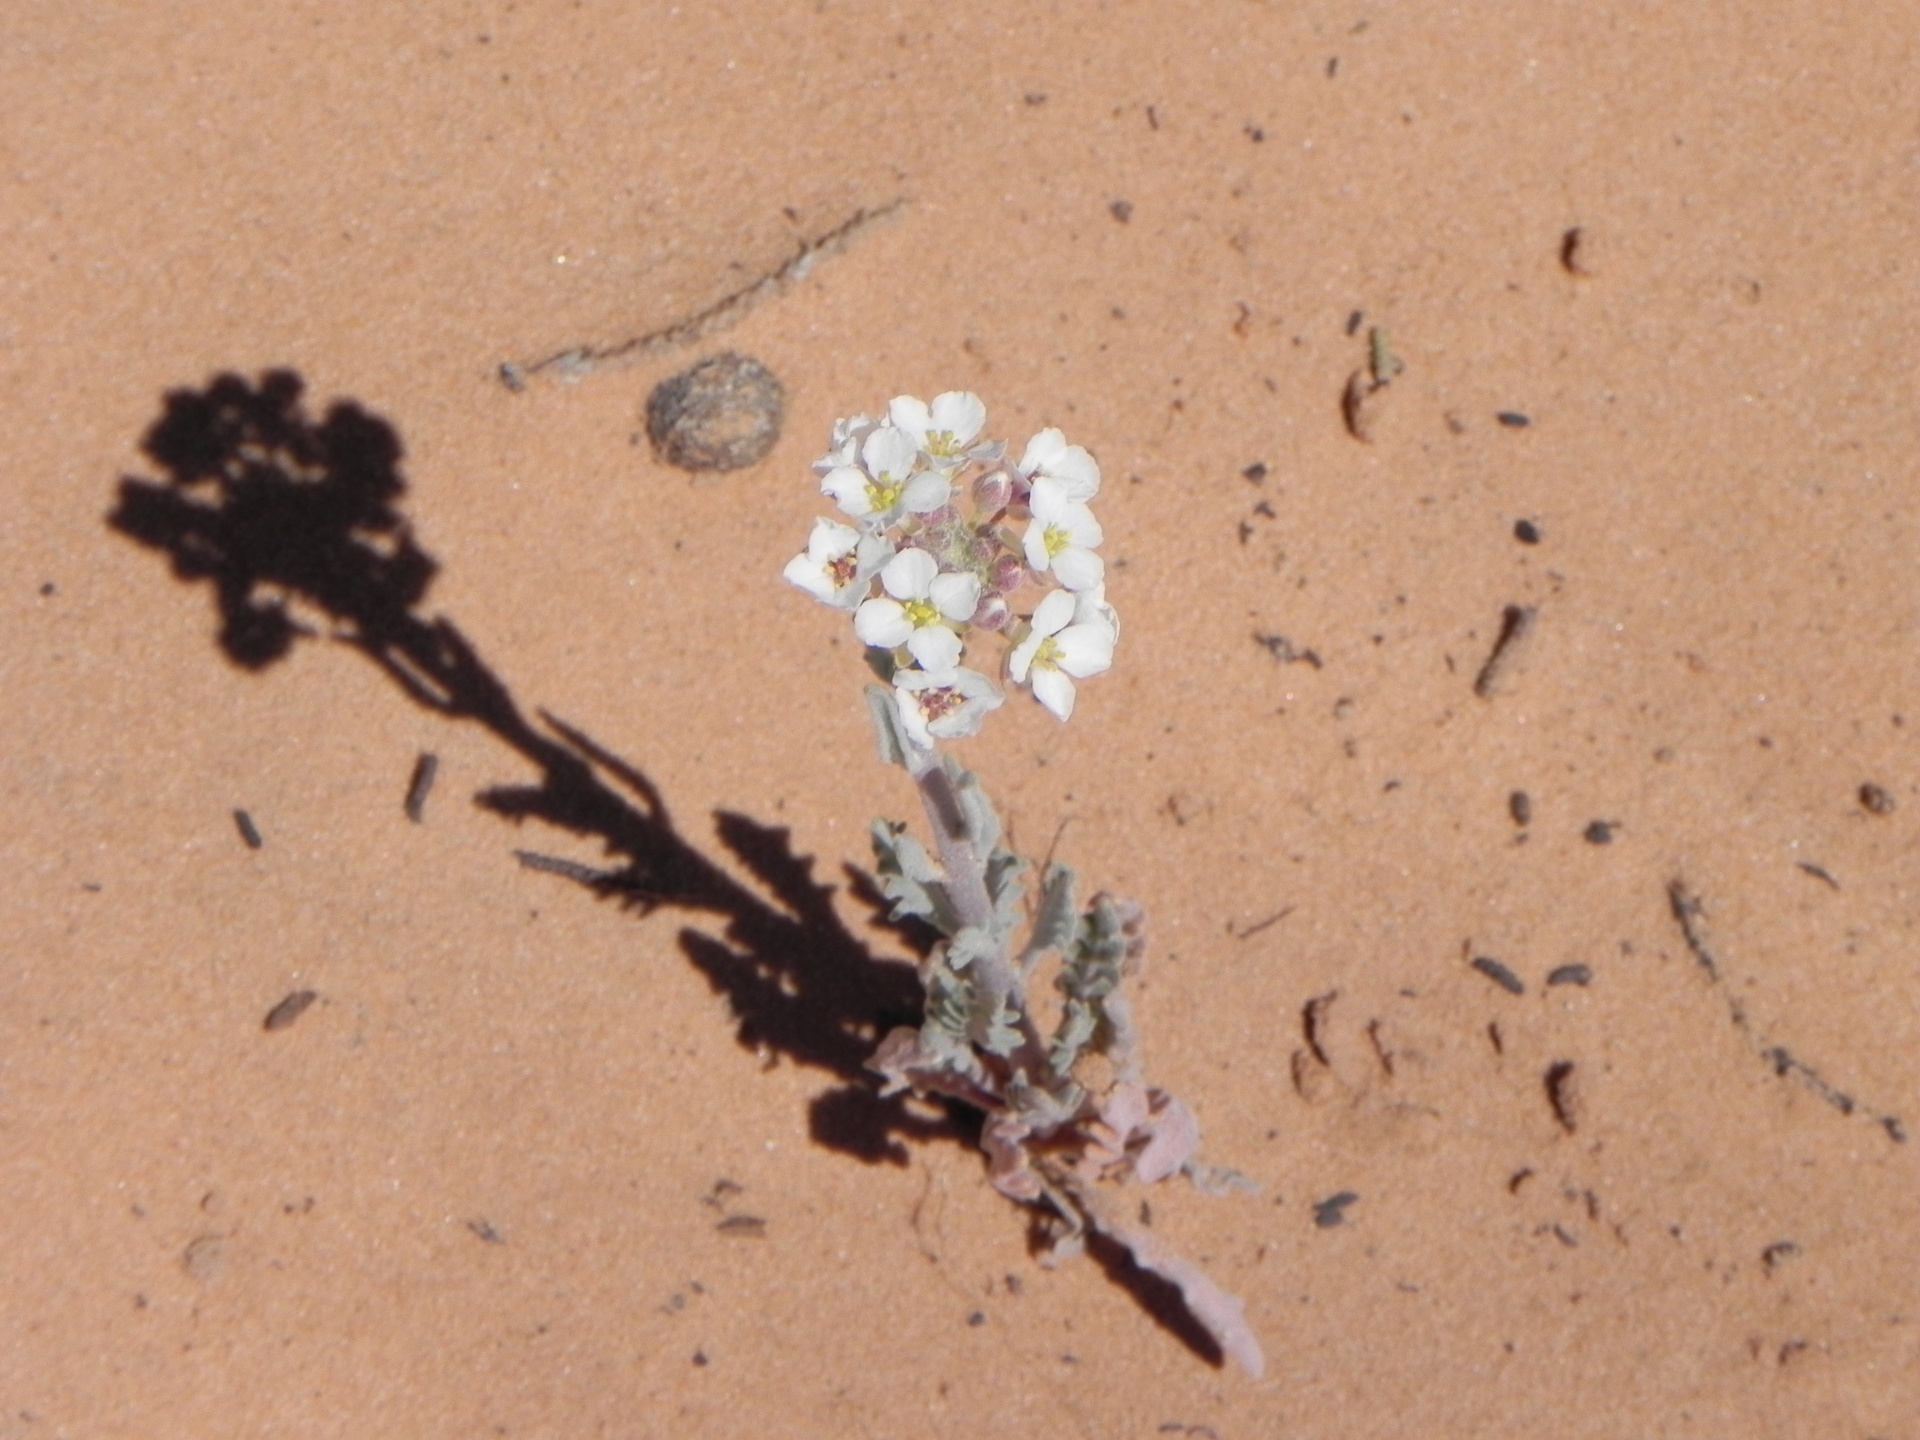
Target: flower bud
(993,612)
(992,492)
(1007,573)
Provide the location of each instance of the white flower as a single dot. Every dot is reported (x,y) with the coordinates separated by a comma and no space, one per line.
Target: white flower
(1091,607)
(1069,638)
(848,436)
(883,483)
(919,610)
(944,429)
(947,706)
(839,564)
(1062,537)
(1049,457)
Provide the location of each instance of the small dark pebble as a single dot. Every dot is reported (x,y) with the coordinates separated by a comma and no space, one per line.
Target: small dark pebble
(1121,210)
(1520,807)
(288,1010)
(1332,1211)
(484,1231)
(746,1227)
(249,832)
(1573,251)
(700,1357)
(1256,472)
(1526,532)
(421,785)
(1563,1094)
(1571,975)
(1513,419)
(1778,1251)
(1599,832)
(1874,800)
(723,414)
(1499,974)
(46,589)
(1353,321)
(977,1318)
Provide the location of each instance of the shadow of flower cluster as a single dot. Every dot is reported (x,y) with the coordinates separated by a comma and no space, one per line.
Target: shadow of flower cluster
(296,524)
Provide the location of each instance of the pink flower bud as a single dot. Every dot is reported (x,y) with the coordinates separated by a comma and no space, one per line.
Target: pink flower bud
(992,492)
(1008,574)
(993,613)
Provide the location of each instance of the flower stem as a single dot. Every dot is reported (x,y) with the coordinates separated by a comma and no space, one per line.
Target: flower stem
(966,877)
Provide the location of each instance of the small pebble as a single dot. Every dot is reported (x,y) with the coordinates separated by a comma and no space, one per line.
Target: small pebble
(1571,975)
(1520,807)
(1499,974)
(1874,800)
(249,832)
(288,1010)
(723,414)
(1599,832)
(1332,1211)
(1526,532)
(1513,419)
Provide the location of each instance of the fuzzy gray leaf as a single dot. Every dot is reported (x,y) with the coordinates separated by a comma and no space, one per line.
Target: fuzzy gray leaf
(976,810)
(997,1025)
(1055,920)
(908,876)
(974,942)
(1076,1028)
(887,731)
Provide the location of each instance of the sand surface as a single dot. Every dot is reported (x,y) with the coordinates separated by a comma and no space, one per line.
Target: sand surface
(483,1183)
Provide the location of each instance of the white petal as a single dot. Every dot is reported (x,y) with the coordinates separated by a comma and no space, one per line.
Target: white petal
(882,624)
(1091,607)
(1034,542)
(959,413)
(1042,448)
(1079,569)
(1054,690)
(1022,658)
(1053,614)
(909,573)
(935,646)
(955,596)
(1048,500)
(810,575)
(849,486)
(911,415)
(889,453)
(830,540)
(927,492)
(1077,520)
(1077,471)
(912,719)
(1085,650)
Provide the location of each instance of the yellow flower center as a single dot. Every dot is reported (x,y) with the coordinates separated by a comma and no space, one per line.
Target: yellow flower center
(1057,540)
(921,612)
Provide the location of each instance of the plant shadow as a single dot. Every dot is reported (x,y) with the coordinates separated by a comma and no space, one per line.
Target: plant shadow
(296,525)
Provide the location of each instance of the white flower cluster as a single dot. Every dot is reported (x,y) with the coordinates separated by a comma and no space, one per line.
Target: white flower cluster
(934,512)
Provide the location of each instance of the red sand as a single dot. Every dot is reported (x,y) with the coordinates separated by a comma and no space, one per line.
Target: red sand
(476,1189)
